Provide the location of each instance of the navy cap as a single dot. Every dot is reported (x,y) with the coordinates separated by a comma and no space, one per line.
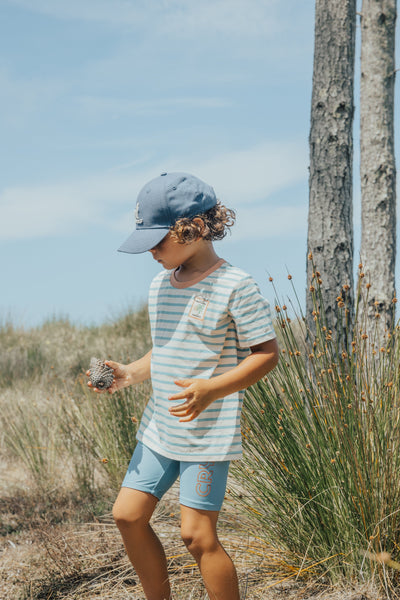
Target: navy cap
(163,201)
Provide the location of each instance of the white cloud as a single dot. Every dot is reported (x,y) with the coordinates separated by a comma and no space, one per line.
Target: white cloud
(266,220)
(246,18)
(243,18)
(40,211)
(176,44)
(61,209)
(99,105)
(253,174)
(243,180)
(107,11)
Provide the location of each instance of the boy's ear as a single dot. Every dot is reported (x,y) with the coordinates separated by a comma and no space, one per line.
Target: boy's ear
(201,225)
(199,221)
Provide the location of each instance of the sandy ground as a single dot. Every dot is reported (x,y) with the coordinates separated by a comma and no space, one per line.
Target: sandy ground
(70,561)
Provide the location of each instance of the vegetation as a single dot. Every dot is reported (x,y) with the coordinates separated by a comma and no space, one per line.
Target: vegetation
(314,503)
(49,417)
(65,449)
(320,474)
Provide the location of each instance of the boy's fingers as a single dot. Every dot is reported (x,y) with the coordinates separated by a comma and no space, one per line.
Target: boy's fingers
(95,389)
(181,409)
(183,382)
(111,363)
(184,393)
(179,396)
(188,414)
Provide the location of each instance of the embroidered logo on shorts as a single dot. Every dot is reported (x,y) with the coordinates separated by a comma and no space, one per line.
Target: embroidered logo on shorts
(199,308)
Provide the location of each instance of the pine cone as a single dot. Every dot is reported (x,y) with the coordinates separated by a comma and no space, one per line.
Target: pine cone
(101,376)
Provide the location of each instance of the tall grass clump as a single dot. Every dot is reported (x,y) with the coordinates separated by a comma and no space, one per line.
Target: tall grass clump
(51,424)
(320,475)
(99,430)
(31,435)
(20,358)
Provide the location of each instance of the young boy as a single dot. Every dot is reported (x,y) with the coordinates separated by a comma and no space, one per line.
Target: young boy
(212,337)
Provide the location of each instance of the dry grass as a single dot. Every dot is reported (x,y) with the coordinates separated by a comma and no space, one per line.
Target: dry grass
(55,541)
(52,559)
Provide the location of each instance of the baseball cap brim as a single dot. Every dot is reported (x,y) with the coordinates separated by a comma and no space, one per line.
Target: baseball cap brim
(142,240)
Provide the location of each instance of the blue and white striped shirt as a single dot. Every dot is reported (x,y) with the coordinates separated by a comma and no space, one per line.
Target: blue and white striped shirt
(201,329)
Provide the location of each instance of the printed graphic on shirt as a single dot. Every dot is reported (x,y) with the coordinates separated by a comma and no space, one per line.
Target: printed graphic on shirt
(199,308)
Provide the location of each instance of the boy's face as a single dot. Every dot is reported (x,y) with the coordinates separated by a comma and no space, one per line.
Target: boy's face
(171,254)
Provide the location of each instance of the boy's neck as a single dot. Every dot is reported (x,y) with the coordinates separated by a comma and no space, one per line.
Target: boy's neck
(201,260)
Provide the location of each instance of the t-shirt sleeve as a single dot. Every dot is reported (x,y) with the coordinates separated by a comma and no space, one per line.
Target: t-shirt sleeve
(251,313)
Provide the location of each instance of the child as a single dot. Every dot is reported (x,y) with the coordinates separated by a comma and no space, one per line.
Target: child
(212,337)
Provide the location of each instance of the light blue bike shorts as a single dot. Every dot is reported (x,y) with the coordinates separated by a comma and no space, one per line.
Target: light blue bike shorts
(202,485)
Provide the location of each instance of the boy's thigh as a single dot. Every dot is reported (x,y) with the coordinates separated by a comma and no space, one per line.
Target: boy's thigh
(203,485)
(150,472)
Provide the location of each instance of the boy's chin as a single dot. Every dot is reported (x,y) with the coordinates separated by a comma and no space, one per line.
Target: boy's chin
(165,265)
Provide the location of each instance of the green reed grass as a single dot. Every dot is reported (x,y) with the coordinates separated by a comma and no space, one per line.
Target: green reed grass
(19,361)
(320,475)
(100,430)
(32,435)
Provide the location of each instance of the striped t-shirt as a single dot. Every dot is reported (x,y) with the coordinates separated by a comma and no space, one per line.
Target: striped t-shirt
(201,329)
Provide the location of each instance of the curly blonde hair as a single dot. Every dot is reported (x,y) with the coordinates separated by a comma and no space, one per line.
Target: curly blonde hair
(217,221)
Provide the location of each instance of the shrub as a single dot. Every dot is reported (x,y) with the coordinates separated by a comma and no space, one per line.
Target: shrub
(322,457)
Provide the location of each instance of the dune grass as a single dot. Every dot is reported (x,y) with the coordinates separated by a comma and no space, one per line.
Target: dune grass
(322,459)
(51,422)
(315,499)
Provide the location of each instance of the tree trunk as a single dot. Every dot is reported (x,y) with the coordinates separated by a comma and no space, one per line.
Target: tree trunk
(330,219)
(378,170)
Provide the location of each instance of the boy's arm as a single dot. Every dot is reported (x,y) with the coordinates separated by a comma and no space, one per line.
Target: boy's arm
(200,393)
(126,375)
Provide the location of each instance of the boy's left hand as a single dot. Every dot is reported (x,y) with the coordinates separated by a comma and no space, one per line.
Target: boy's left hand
(198,395)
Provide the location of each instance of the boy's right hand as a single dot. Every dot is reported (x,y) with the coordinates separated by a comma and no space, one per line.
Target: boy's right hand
(122,377)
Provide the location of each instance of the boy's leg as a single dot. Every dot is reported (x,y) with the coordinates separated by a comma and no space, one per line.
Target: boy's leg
(148,477)
(132,512)
(200,536)
(202,490)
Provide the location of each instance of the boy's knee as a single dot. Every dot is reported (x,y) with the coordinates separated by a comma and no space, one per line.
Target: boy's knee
(125,517)
(197,542)
(120,516)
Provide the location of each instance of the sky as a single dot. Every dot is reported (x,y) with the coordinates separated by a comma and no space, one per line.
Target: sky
(97,97)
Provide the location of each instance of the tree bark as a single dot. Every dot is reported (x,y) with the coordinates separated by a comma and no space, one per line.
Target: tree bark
(378,170)
(330,217)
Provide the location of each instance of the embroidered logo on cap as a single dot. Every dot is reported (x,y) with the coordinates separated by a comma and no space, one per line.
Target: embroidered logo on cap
(139,221)
(199,308)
